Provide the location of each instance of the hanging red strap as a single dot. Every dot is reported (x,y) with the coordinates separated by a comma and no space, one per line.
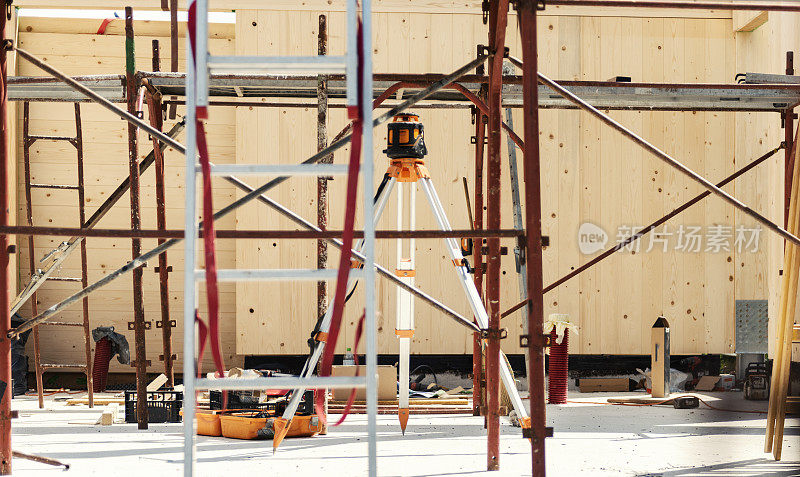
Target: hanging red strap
(356,114)
(209,234)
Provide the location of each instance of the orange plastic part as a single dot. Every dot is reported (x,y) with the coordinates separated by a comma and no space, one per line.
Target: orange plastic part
(245,427)
(402,414)
(241,427)
(408,170)
(525,423)
(208,424)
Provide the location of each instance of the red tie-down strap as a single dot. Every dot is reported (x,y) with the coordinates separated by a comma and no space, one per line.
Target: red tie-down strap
(356,114)
(209,234)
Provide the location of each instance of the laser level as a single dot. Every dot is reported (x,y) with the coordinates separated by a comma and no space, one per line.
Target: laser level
(405,138)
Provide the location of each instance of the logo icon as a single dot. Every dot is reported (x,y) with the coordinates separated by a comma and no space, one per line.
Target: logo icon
(591,238)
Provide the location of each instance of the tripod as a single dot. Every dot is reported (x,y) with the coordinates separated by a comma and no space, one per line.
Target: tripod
(406,152)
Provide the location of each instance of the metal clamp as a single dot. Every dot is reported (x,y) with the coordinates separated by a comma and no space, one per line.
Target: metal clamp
(527,434)
(147,325)
(490,334)
(158,269)
(173,358)
(147,362)
(525,341)
(160,324)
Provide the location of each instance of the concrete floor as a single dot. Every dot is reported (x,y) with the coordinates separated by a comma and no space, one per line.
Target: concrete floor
(590,439)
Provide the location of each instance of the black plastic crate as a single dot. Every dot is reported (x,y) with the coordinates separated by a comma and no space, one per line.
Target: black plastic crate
(162,406)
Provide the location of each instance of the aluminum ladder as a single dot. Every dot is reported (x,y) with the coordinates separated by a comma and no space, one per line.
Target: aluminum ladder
(197,77)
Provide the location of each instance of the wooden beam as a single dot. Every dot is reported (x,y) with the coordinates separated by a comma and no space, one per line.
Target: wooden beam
(382,6)
(749,21)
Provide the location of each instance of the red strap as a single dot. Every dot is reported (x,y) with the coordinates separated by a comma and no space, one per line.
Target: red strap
(349,222)
(103,25)
(209,234)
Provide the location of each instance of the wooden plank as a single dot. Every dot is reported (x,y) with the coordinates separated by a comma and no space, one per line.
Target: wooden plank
(749,21)
(394,6)
(591,335)
(674,183)
(719,163)
(694,135)
(88,26)
(653,181)
(569,174)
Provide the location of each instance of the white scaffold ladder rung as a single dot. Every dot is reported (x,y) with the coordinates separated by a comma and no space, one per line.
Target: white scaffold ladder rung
(278,64)
(281,382)
(278,170)
(275,274)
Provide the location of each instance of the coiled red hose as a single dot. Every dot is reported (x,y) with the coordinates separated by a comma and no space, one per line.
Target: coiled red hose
(557,369)
(102,356)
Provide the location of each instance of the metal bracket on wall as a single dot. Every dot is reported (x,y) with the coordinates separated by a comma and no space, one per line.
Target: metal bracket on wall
(526,432)
(524,341)
(147,325)
(500,334)
(160,324)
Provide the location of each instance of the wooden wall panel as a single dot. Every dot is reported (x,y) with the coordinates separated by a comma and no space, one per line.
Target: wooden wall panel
(105,154)
(590,174)
(753,134)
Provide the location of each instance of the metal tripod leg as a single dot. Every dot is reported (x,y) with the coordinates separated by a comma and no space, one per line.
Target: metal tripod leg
(311,362)
(454,249)
(404,328)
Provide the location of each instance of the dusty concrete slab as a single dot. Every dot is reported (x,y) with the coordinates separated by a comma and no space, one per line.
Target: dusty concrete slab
(590,439)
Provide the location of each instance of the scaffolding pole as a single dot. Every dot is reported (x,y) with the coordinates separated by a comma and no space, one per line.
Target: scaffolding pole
(526,17)
(132,88)
(156,117)
(5,252)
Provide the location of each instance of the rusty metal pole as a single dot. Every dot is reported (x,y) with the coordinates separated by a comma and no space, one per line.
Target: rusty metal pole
(173,48)
(526,16)
(87,333)
(478,376)
(788,130)
(322,183)
(498,19)
(5,251)
(156,115)
(132,87)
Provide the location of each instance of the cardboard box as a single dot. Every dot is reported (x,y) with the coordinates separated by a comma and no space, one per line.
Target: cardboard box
(595,385)
(387,382)
(706,383)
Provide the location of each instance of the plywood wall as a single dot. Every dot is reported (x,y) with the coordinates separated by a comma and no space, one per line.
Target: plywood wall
(106,165)
(589,174)
(778,35)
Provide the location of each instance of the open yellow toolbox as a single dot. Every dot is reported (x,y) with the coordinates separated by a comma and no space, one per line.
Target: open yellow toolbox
(250,426)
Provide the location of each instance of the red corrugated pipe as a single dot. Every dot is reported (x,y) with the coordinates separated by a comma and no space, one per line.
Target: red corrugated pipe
(557,369)
(102,356)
